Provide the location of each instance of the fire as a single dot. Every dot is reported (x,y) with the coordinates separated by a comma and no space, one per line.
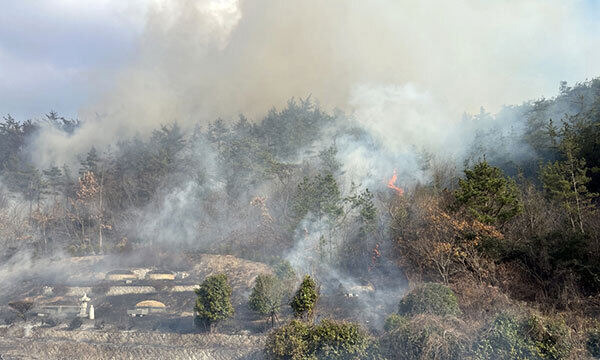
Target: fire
(375,255)
(392,184)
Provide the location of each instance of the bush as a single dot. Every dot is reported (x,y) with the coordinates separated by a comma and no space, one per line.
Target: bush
(331,340)
(593,342)
(394,322)
(505,338)
(551,337)
(401,341)
(334,340)
(75,323)
(423,337)
(21,307)
(430,298)
(214,301)
(304,301)
(289,342)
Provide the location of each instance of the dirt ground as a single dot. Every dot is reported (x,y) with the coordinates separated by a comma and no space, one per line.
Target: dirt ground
(20,342)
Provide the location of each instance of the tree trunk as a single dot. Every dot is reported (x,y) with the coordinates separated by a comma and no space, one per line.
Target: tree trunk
(579,217)
(100,212)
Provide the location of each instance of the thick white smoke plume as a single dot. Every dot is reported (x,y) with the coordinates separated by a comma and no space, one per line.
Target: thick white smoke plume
(427,61)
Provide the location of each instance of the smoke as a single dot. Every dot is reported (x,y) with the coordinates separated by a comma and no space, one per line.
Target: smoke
(310,248)
(318,241)
(399,123)
(199,59)
(173,220)
(404,72)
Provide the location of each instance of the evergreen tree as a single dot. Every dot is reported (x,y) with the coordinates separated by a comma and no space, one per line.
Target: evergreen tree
(367,213)
(214,301)
(242,127)
(488,196)
(13,140)
(329,161)
(23,177)
(319,196)
(167,143)
(218,133)
(54,178)
(267,296)
(566,180)
(90,164)
(287,276)
(304,301)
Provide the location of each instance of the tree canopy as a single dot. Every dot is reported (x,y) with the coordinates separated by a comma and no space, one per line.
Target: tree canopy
(488,195)
(213,303)
(304,301)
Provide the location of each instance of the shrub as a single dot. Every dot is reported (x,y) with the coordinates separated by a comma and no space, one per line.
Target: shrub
(534,337)
(331,340)
(551,337)
(505,338)
(423,337)
(430,298)
(334,340)
(214,301)
(21,307)
(289,342)
(304,301)
(394,322)
(402,342)
(75,323)
(593,342)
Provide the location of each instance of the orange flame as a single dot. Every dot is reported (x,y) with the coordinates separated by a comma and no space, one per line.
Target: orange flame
(375,255)
(392,184)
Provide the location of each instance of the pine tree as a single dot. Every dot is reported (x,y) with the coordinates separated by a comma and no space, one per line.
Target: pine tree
(329,161)
(566,180)
(267,296)
(287,276)
(90,164)
(489,196)
(214,301)
(53,177)
(319,196)
(304,301)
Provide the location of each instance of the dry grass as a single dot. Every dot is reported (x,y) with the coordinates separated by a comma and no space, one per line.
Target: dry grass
(480,302)
(240,273)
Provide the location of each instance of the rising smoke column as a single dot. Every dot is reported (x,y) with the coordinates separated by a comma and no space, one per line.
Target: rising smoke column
(199,59)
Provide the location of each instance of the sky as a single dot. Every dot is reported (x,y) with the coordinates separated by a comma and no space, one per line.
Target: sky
(51,51)
(64,55)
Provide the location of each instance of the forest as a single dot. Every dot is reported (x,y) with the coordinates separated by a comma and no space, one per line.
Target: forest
(490,251)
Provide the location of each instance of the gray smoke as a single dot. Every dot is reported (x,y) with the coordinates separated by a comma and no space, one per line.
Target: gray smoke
(413,65)
(404,72)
